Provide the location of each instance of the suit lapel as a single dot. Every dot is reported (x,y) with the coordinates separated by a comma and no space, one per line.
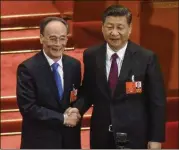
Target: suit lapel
(46,72)
(125,70)
(45,69)
(101,77)
(66,74)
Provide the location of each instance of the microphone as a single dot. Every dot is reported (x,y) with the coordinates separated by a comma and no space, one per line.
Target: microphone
(121,140)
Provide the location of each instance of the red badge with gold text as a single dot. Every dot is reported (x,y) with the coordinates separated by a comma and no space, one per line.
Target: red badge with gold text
(133,87)
(130,88)
(73,95)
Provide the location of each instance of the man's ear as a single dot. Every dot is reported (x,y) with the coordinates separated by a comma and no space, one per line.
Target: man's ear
(130,29)
(41,38)
(102,28)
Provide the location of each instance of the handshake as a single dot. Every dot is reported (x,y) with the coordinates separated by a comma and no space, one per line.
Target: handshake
(71,117)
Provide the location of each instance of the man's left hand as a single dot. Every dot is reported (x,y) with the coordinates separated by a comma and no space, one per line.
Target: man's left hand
(154,145)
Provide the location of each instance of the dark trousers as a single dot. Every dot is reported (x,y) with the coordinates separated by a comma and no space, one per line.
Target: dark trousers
(111,141)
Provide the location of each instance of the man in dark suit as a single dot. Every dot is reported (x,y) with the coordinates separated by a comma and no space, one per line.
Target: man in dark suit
(121,109)
(44,85)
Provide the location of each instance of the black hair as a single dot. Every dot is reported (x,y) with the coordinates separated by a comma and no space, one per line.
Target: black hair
(117,10)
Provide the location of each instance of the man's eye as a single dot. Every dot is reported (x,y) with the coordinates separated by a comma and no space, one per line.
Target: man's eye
(120,28)
(53,39)
(109,27)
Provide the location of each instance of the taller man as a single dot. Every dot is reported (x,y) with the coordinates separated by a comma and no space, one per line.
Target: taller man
(123,81)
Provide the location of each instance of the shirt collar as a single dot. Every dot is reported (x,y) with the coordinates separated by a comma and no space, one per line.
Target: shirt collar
(51,61)
(120,52)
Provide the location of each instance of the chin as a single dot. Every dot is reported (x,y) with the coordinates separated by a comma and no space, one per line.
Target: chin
(116,46)
(56,58)
(56,55)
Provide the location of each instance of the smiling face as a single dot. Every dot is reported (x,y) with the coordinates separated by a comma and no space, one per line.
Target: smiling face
(116,31)
(54,39)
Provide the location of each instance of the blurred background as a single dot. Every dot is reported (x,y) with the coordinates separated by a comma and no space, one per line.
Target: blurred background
(155,27)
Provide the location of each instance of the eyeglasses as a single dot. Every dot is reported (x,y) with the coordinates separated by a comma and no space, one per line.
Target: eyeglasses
(55,40)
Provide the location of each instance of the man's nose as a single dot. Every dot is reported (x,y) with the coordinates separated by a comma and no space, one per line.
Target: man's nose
(58,42)
(114,32)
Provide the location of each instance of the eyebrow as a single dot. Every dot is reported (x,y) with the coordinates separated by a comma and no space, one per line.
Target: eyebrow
(51,36)
(109,24)
(120,25)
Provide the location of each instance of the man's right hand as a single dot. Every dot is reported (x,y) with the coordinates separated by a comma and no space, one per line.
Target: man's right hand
(71,117)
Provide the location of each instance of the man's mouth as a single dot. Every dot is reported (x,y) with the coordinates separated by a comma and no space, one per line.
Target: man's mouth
(56,49)
(114,40)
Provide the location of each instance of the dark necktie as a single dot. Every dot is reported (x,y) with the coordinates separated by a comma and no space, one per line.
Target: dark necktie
(113,74)
(58,79)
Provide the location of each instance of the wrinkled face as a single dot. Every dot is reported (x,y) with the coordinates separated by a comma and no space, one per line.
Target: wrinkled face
(116,31)
(54,39)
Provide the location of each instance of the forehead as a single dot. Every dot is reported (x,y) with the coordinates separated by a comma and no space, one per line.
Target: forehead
(116,20)
(55,27)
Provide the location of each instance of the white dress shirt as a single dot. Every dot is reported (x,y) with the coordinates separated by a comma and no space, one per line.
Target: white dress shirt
(59,69)
(109,53)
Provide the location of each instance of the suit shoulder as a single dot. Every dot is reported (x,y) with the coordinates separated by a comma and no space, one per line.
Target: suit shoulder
(72,59)
(30,62)
(143,51)
(93,49)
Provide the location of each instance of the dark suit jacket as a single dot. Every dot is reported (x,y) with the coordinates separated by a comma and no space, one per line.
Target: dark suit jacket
(141,116)
(42,112)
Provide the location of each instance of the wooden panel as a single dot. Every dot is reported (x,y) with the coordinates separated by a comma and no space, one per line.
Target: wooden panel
(159,32)
(64,6)
(88,10)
